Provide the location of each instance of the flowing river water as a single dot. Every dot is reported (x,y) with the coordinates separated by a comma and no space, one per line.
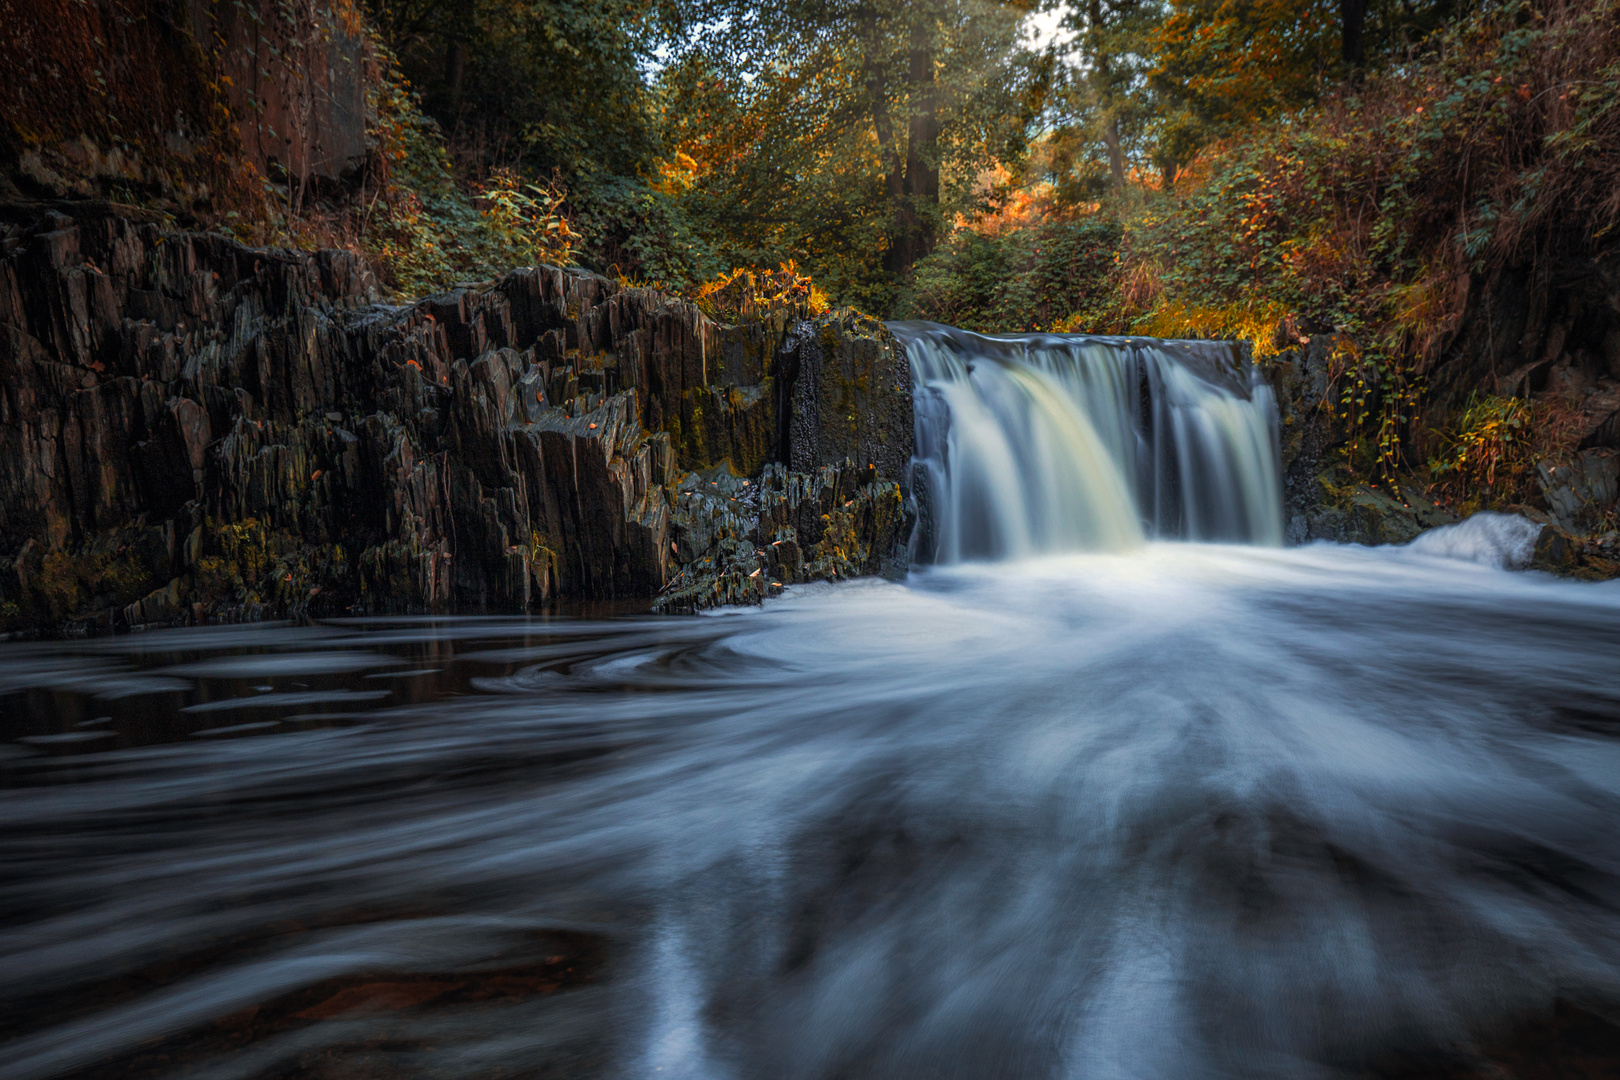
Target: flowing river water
(1153,808)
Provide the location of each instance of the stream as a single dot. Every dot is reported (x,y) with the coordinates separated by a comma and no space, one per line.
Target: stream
(1191,810)
(1110,786)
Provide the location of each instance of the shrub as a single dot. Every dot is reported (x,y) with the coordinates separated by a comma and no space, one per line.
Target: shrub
(430,233)
(1486,457)
(751,294)
(1055,275)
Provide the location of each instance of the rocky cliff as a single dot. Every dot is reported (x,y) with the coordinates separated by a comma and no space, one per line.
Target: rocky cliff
(187,105)
(191,429)
(1575,500)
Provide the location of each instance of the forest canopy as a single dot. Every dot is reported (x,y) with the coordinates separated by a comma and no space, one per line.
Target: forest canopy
(879,143)
(1259,169)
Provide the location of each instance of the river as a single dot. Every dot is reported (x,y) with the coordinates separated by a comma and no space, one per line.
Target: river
(1195,810)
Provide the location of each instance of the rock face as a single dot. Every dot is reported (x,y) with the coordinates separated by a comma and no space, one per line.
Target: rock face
(192,429)
(189,103)
(1550,327)
(846,394)
(1578,499)
(744,540)
(1319,501)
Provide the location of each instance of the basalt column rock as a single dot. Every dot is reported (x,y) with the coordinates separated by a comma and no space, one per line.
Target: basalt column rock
(704,384)
(742,540)
(844,392)
(190,428)
(834,505)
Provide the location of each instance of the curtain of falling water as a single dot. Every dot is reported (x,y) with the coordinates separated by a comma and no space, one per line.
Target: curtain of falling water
(1055,442)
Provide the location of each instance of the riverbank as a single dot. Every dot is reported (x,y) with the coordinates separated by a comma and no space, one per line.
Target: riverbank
(195,431)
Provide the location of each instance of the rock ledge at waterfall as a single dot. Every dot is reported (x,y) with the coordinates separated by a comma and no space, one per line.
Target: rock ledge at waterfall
(1578,500)
(192,430)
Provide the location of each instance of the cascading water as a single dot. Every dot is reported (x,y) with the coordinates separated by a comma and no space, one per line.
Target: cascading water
(1061,442)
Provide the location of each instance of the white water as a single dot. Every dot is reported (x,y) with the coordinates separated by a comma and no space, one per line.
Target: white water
(1187,811)
(1049,443)
(1503,540)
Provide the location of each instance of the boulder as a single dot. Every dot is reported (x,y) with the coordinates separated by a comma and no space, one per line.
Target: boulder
(742,540)
(1582,494)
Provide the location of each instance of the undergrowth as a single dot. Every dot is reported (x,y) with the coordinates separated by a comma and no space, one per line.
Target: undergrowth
(428,231)
(1047,276)
(747,293)
(1486,457)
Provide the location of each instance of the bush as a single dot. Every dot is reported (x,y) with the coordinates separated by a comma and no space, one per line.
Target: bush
(752,294)
(427,232)
(1056,275)
(1486,457)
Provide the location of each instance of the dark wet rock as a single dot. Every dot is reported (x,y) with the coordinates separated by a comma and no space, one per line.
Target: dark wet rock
(1595,558)
(845,393)
(1323,502)
(1349,511)
(1582,495)
(831,506)
(742,541)
(1320,500)
(192,429)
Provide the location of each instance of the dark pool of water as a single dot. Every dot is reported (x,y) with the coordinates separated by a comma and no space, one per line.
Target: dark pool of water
(1196,811)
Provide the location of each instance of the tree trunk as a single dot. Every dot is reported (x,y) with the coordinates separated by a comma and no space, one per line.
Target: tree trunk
(455,64)
(877,100)
(1116,156)
(1353,16)
(915,219)
(1104,87)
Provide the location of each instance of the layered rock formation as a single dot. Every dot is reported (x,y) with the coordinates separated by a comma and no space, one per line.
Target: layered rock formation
(192,429)
(746,539)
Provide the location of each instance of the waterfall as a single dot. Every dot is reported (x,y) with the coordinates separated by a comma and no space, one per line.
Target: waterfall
(1060,442)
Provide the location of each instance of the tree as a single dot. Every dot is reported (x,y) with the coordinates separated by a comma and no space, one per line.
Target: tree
(548,84)
(842,115)
(1352,23)
(1106,105)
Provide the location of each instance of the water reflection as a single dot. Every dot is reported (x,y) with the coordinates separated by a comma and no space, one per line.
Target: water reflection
(1193,811)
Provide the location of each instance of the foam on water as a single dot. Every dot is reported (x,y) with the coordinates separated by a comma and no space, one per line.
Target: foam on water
(1502,540)
(1106,807)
